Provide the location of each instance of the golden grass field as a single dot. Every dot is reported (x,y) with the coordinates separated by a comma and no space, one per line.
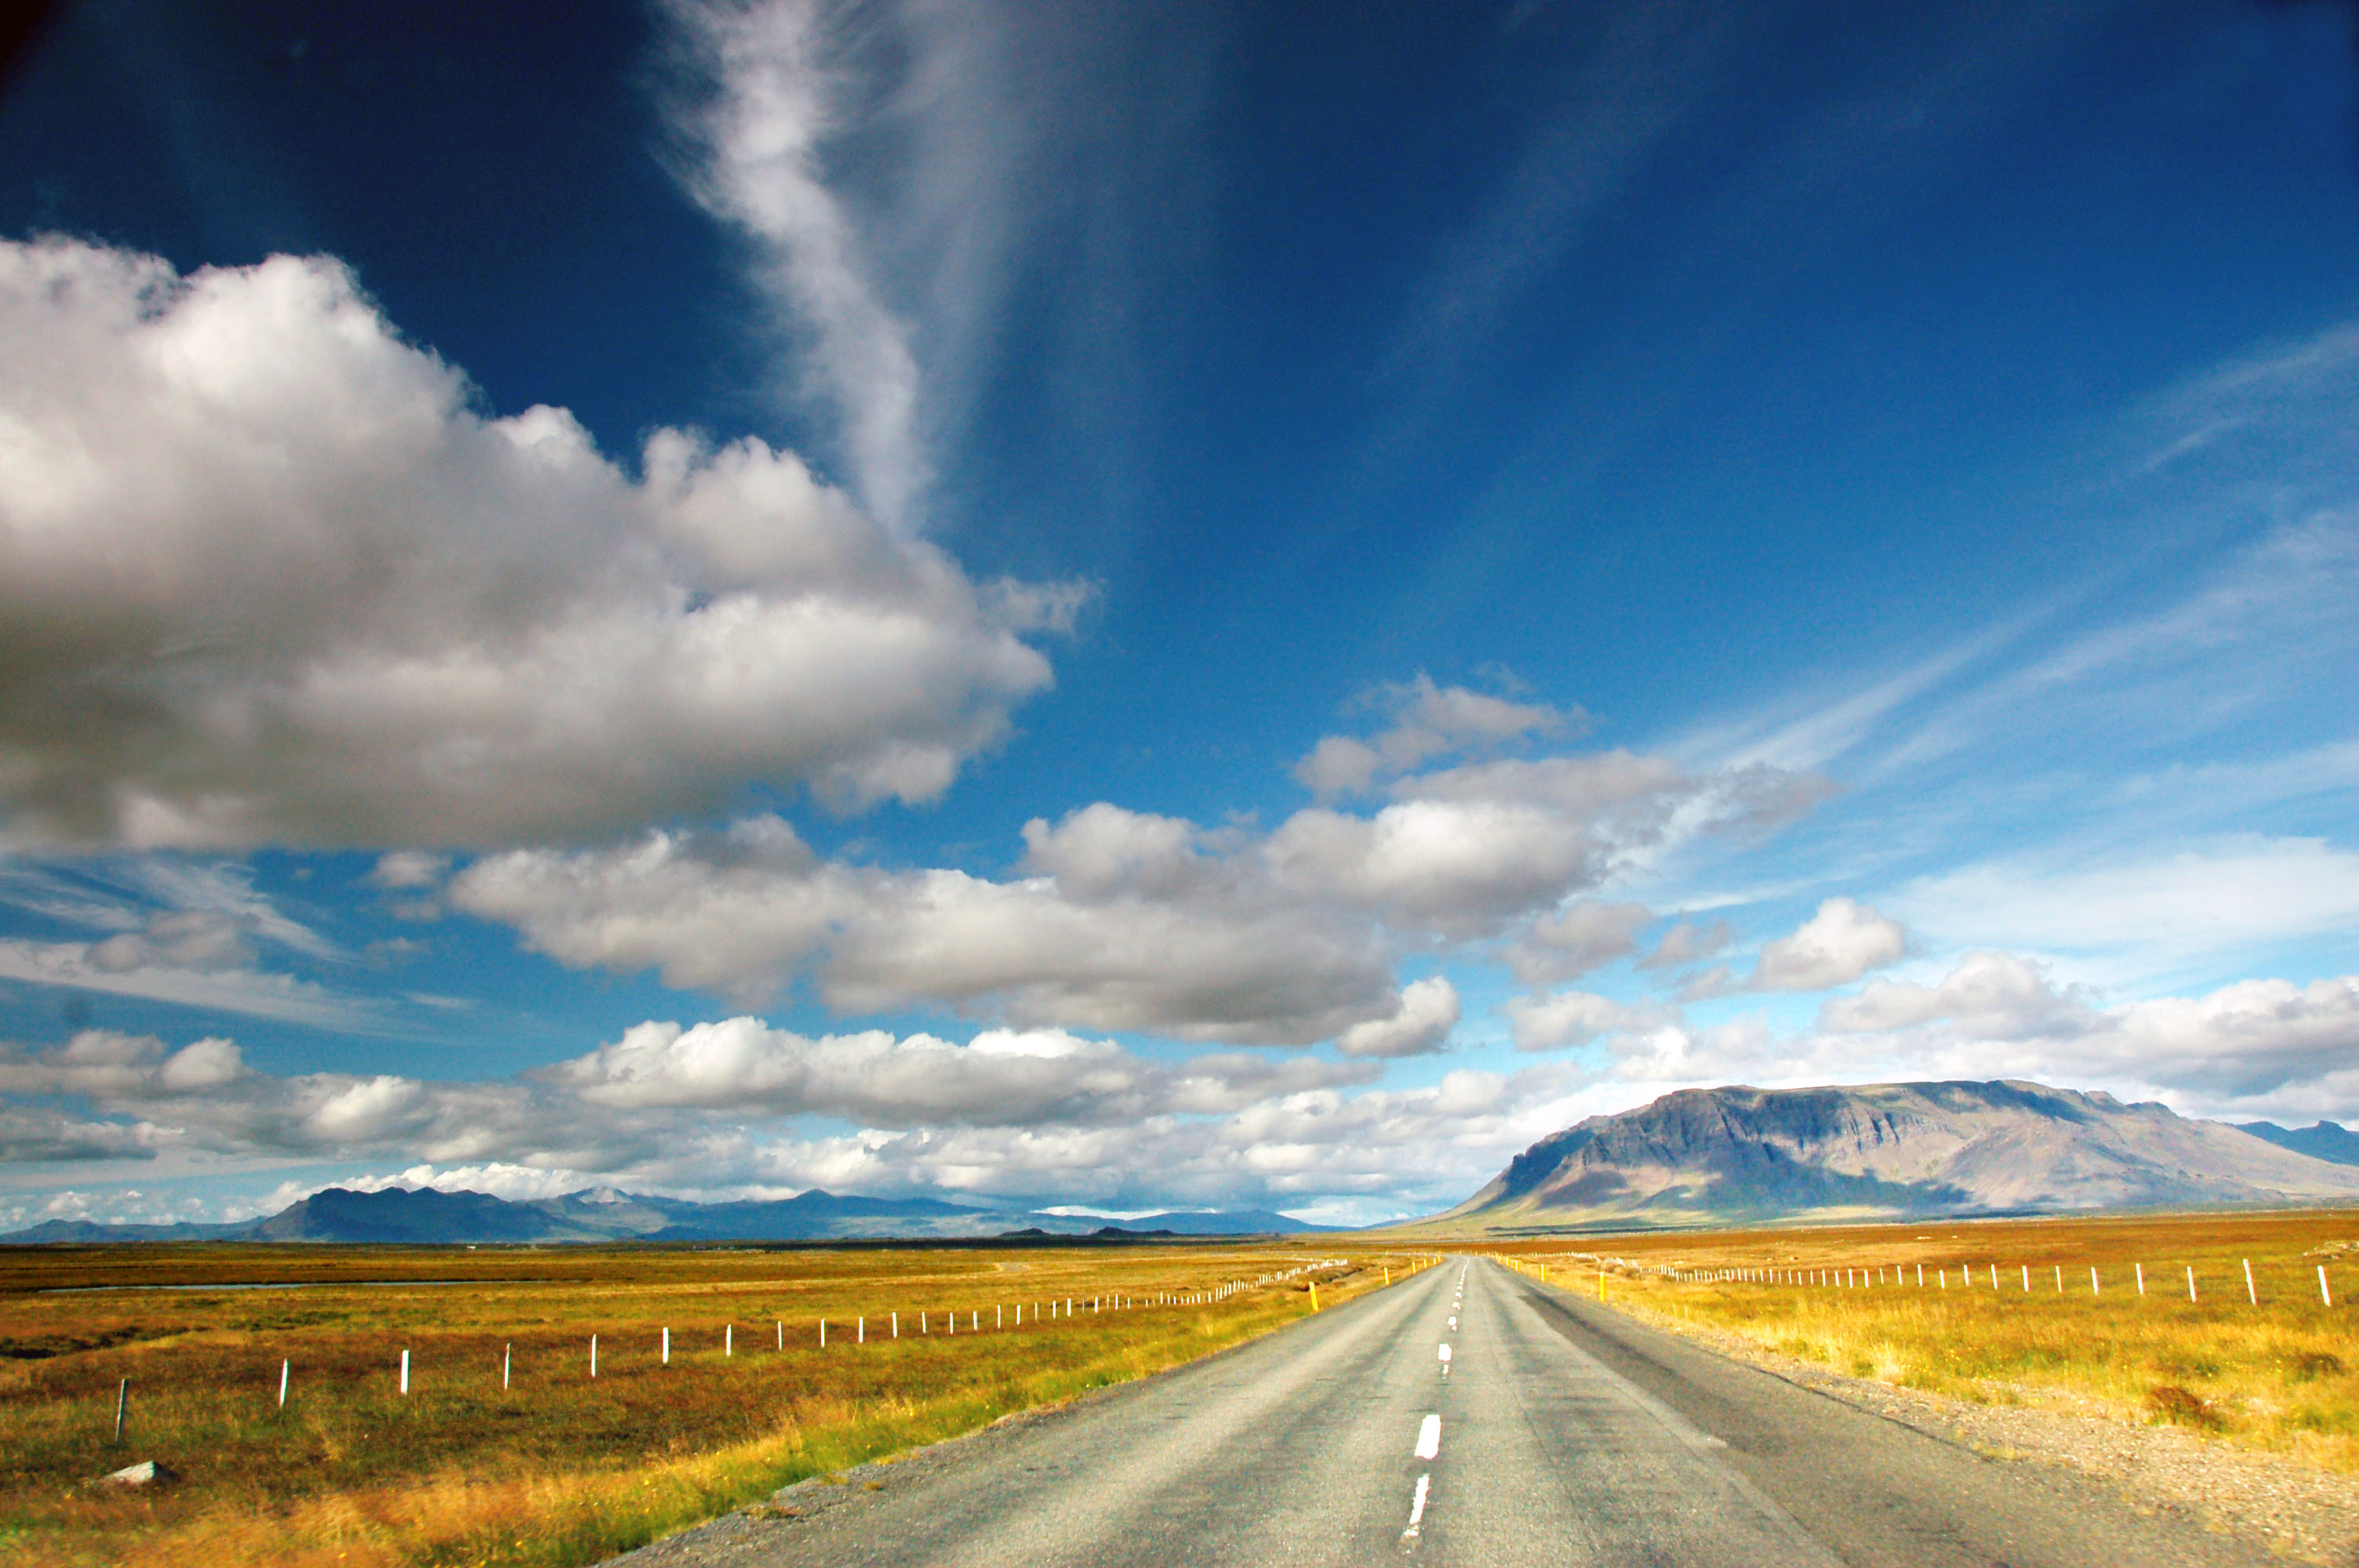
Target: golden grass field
(556,1468)
(2281,1376)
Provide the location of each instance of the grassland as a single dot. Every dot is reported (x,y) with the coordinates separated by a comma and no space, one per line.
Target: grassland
(554,1468)
(2280,1376)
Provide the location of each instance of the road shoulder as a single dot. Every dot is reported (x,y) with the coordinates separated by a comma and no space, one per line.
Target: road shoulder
(2264,1501)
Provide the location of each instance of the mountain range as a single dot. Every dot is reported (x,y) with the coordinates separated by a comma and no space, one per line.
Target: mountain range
(1726,1156)
(1744,1156)
(428,1217)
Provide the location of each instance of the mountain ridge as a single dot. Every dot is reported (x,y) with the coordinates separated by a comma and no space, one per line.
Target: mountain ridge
(429,1216)
(1740,1156)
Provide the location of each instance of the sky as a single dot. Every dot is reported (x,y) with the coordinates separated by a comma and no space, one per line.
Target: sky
(1170,605)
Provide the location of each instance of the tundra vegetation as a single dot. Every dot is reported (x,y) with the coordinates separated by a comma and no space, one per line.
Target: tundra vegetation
(2280,1376)
(554,1468)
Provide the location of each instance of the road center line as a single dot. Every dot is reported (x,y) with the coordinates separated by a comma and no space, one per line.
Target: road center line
(1428,1437)
(1417,1506)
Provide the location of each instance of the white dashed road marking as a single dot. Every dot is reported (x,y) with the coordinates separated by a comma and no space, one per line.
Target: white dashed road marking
(1428,1437)
(1417,1506)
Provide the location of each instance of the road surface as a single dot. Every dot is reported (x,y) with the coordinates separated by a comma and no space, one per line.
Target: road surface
(1562,1433)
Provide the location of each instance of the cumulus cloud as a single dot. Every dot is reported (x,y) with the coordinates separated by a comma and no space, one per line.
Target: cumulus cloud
(1429,1011)
(409,868)
(1573,941)
(1560,1019)
(1427,722)
(1120,920)
(1002,1077)
(743,912)
(1835,946)
(1993,996)
(266,576)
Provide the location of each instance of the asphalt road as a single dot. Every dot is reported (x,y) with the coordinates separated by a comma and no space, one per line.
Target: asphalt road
(1561,1434)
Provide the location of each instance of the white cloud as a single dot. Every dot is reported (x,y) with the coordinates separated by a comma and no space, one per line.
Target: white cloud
(409,868)
(2211,899)
(1835,946)
(138,968)
(1125,921)
(1557,1019)
(1573,941)
(266,577)
(181,939)
(1429,1011)
(1000,1079)
(1688,942)
(1993,996)
(744,912)
(1427,722)
(757,116)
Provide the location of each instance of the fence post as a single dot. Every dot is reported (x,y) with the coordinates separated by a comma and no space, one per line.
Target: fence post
(2323,1296)
(405,1369)
(285,1365)
(507,1363)
(782,1333)
(2141,1277)
(2250,1295)
(2190,1281)
(593,1356)
(729,1339)
(667,1344)
(823,1334)
(2093,1279)
(122,1405)
(860,1330)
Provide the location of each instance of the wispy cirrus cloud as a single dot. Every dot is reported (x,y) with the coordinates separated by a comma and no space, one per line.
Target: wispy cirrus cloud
(756,109)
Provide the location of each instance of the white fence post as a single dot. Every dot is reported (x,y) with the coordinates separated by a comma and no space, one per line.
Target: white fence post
(2250,1293)
(2323,1296)
(283,1366)
(404,1370)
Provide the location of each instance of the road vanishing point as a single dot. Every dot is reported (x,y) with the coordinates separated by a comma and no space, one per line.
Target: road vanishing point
(1559,1432)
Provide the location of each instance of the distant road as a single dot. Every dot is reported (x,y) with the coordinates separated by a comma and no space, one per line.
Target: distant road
(1562,1434)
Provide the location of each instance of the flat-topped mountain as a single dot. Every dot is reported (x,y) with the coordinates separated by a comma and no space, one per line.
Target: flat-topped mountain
(1746,1156)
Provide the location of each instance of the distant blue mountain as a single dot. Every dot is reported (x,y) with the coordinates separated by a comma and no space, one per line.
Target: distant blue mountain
(426,1216)
(2328,1140)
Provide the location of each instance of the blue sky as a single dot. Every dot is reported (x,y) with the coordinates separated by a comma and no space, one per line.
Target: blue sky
(1144,605)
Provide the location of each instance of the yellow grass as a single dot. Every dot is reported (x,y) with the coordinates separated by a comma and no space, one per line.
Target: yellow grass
(2282,1376)
(556,1468)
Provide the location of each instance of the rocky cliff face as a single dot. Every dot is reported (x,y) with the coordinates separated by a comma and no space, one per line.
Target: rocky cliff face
(1745,1155)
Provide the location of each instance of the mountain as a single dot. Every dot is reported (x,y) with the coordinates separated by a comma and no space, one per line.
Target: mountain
(1748,1156)
(2328,1140)
(426,1216)
(84,1232)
